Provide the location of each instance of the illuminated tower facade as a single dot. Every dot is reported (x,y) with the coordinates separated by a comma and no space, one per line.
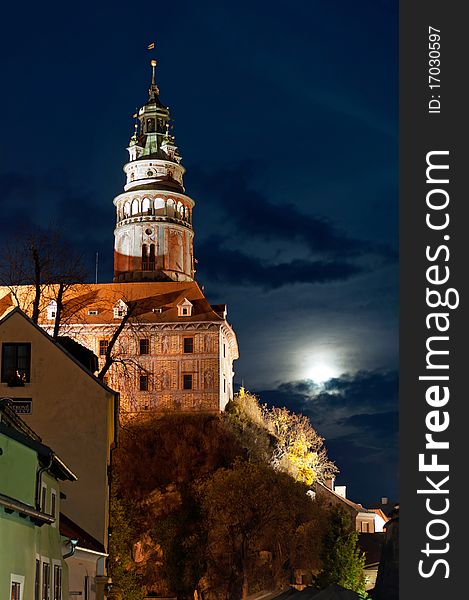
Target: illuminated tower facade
(153,234)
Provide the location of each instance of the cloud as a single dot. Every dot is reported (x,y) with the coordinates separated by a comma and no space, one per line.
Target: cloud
(251,214)
(222,265)
(36,203)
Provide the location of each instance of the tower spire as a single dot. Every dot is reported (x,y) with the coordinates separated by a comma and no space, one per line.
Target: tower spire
(154,91)
(153,235)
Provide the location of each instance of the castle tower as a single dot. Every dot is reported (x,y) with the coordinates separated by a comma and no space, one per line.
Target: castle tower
(153,234)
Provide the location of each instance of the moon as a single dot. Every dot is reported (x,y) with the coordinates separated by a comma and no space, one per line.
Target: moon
(320,372)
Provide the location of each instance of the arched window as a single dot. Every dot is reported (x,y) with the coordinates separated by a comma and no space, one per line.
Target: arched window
(144,257)
(150,125)
(146,206)
(151,258)
(171,207)
(135,207)
(126,209)
(160,206)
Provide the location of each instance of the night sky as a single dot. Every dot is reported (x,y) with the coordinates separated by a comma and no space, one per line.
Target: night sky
(286,118)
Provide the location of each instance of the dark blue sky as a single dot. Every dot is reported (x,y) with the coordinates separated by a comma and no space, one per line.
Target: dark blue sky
(286,118)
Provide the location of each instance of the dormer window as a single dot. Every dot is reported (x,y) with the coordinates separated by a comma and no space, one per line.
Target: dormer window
(120,309)
(185,308)
(52,310)
(92,312)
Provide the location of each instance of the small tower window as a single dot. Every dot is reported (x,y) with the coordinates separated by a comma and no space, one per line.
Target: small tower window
(146,206)
(150,125)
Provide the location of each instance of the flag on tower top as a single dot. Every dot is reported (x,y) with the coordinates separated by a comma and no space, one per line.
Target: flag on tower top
(151,46)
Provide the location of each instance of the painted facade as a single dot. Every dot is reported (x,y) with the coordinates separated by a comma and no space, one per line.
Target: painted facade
(31,547)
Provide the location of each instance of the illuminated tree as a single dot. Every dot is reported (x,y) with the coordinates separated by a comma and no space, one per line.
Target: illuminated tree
(299,449)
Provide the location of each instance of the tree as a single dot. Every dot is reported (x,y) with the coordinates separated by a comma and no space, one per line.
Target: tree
(342,560)
(251,511)
(299,449)
(41,269)
(284,439)
(121,566)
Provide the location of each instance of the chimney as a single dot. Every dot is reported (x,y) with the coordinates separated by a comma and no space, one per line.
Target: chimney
(330,483)
(384,500)
(341,490)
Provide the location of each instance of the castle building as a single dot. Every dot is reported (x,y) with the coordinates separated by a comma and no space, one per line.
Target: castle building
(175,350)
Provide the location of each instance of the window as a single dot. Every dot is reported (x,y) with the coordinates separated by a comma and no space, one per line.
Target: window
(15,590)
(16,587)
(120,309)
(185,308)
(103,346)
(57,582)
(92,311)
(144,383)
(16,363)
(187,381)
(53,506)
(224,385)
(86,587)
(44,498)
(224,349)
(188,345)
(52,310)
(45,581)
(145,346)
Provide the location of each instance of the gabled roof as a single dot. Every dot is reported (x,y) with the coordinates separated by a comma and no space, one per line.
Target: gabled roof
(355,505)
(57,344)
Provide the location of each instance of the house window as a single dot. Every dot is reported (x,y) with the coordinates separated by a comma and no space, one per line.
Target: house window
(187,381)
(16,587)
(45,581)
(15,590)
(224,385)
(143,383)
(57,582)
(92,312)
(224,349)
(188,345)
(145,346)
(103,346)
(16,363)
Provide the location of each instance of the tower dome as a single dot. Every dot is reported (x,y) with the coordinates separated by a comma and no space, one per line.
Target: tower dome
(153,234)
